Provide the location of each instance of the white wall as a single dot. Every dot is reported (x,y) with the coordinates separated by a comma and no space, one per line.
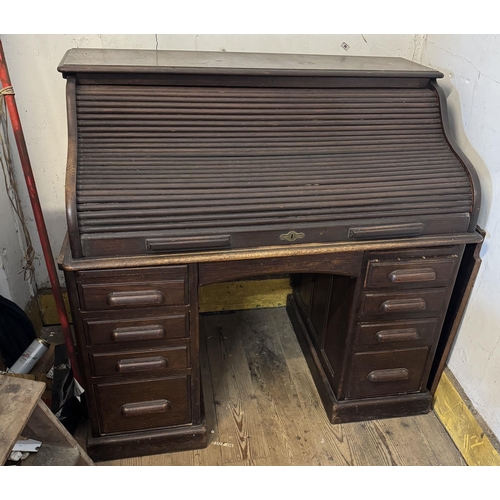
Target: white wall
(471,64)
(13,286)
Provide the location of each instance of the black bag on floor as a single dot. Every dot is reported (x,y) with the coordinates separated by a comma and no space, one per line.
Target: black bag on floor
(16,331)
(68,404)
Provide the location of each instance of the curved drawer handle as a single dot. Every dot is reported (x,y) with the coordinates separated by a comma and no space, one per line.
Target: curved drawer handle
(393,230)
(404,305)
(145,408)
(391,375)
(122,334)
(396,335)
(140,298)
(412,275)
(141,364)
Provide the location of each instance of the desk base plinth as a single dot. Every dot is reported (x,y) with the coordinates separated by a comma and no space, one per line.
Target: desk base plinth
(151,442)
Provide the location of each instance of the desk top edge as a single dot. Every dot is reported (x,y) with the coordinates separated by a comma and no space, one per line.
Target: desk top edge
(239,63)
(67,263)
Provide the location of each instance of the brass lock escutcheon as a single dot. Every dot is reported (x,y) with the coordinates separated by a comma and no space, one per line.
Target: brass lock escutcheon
(292,236)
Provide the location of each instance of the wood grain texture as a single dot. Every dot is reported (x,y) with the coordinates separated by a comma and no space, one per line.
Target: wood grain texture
(18,399)
(163,168)
(267,407)
(66,262)
(206,62)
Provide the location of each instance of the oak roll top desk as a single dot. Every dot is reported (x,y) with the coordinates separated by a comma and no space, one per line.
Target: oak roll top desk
(191,168)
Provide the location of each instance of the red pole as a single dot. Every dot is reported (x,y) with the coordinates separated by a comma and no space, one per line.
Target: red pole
(10,102)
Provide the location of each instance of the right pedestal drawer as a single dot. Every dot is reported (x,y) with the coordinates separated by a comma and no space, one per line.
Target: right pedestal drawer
(387,373)
(400,315)
(410,273)
(389,305)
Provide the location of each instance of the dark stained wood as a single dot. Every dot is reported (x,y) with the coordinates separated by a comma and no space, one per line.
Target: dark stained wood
(320,301)
(305,436)
(163,61)
(188,168)
(411,273)
(390,305)
(117,414)
(141,274)
(187,80)
(468,167)
(101,290)
(466,278)
(354,410)
(260,235)
(396,334)
(18,400)
(387,373)
(71,168)
(179,244)
(342,263)
(67,262)
(103,329)
(162,361)
(124,295)
(340,320)
(147,442)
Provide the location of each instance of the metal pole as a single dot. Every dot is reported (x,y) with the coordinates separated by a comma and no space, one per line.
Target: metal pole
(10,102)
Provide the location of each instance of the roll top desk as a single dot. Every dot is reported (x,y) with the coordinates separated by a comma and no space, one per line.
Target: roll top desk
(191,168)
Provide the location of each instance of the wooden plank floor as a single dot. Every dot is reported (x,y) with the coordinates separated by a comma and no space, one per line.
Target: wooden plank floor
(263,407)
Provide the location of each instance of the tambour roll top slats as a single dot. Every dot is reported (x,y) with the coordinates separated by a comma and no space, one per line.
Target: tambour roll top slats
(163,168)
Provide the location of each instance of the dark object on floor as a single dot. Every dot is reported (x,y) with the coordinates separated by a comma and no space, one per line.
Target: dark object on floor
(66,406)
(16,331)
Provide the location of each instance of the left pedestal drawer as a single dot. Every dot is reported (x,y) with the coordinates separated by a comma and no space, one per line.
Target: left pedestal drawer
(133,326)
(160,361)
(145,404)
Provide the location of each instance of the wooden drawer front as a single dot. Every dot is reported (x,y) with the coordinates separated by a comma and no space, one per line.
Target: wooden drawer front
(134,275)
(396,333)
(125,332)
(417,273)
(143,405)
(125,295)
(159,361)
(388,373)
(397,304)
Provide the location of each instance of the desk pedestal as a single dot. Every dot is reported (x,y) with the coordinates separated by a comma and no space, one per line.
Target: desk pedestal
(369,320)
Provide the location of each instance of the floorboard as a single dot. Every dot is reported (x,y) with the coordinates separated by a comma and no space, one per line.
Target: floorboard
(263,407)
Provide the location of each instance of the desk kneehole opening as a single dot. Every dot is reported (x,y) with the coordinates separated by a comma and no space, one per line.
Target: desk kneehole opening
(145,408)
